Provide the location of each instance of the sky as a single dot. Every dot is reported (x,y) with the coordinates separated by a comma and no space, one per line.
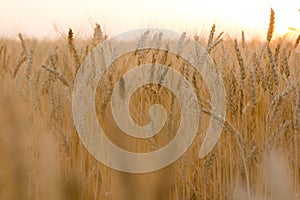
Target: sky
(52,18)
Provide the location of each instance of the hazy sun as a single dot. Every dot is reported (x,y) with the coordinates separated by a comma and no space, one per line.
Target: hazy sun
(287,17)
(286,27)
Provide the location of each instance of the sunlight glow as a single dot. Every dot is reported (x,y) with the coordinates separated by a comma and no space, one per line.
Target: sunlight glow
(37,18)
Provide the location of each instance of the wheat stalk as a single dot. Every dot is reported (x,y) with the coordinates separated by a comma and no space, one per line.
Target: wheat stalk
(243,39)
(272,64)
(211,35)
(56,73)
(98,35)
(214,44)
(277,51)
(240,60)
(271,26)
(72,48)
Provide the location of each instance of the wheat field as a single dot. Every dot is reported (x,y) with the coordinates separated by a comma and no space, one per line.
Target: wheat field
(257,156)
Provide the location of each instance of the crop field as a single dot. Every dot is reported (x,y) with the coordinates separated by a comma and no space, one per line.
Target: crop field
(256,156)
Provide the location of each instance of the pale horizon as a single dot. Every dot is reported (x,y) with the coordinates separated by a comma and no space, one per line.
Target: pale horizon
(49,19)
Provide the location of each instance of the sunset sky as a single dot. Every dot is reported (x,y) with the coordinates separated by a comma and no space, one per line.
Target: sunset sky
(48,18)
